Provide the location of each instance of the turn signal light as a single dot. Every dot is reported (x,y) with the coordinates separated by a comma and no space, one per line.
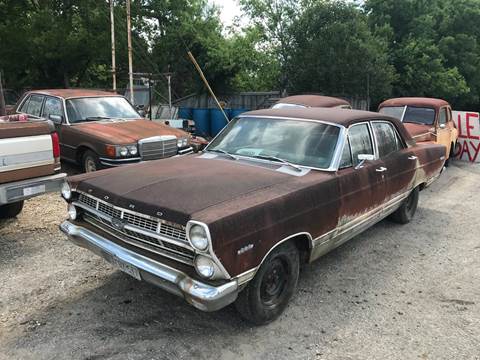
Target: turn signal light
(110,151)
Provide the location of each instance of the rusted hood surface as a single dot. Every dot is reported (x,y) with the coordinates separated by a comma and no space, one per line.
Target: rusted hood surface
(419,132)
(179,188)
(22,129)
(126,132)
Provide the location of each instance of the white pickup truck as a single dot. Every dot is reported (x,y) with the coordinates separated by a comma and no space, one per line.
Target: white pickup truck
(29,162)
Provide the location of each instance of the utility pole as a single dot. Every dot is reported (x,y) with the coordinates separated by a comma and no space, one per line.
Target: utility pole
(129,39)
(114,66)
(3,110)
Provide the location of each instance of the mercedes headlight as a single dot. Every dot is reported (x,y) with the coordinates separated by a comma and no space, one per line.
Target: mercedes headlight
(123,151)
(205,266)
(182,142)
(66,191)
(72,212)
(133,150)
(198,237)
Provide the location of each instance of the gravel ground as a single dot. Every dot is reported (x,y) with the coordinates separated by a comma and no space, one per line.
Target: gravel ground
(394,292)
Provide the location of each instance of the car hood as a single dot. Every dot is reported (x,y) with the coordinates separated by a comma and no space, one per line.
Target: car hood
(176,189)
(126,132)
(419,132)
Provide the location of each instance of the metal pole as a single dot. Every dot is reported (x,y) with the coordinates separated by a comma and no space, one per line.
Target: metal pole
(3,110)
(130,64)
(150,96)
(169,77)
(112,29)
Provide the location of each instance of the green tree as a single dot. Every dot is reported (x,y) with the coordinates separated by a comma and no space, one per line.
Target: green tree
(433,46)
(336,53)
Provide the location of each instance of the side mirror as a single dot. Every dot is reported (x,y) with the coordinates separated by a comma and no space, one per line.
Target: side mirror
(363,158)
(141,110)
(57,119)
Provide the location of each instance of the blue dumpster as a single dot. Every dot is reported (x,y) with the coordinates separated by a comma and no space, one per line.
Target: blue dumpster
(236,112)
(202,121)
(217,120)
(185,113)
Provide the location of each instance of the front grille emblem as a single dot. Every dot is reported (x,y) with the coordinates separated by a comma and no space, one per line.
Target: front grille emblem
(118,224)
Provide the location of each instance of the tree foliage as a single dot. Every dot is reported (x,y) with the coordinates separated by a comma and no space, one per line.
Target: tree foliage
(335,53)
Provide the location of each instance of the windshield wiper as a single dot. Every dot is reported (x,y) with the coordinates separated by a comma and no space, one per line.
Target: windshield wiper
(283,161)
(223,152)
(96,118)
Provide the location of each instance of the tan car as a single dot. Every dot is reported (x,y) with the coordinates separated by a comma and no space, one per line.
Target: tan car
(426,119)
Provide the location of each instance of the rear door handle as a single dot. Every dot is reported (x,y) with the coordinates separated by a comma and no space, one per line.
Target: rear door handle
(412,158)
(381,169)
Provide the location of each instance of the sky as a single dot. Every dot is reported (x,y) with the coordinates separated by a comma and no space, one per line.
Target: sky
(229,9)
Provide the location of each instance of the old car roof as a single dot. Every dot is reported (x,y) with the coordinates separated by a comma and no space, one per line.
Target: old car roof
(313,101)
(415,101)
(343,117)
(73,93)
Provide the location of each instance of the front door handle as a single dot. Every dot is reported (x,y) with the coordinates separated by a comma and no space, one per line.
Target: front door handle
(381,169)
(412,158)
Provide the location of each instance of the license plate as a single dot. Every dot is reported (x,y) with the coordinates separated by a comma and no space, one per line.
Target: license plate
(123,266)
(34,190)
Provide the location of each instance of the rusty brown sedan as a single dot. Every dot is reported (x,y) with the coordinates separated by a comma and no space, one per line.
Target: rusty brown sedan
(275,189)
(99,129)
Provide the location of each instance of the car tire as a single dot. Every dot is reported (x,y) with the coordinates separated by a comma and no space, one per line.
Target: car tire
(267,295)
(11,210)
(406,211)
(90,162)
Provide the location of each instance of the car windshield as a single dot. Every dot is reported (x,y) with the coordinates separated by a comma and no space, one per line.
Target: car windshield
(304,143)
(413,114)
(98,108)
(394,111)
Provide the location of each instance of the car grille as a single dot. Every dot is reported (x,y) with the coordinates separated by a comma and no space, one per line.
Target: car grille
(158,147)
(165,238)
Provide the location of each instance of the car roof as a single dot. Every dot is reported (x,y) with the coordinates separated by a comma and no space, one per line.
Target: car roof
(342,117)
(415,101)
(73,93)
(313,101)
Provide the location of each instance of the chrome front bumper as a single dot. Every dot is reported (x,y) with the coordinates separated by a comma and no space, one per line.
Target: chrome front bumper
(201,295)
(107,162)
(26,189)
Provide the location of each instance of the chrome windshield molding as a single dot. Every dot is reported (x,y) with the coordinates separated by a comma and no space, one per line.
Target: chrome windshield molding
(201,295)
(290,118)
(209,252)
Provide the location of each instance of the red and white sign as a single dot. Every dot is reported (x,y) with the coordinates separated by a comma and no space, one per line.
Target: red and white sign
(468,125)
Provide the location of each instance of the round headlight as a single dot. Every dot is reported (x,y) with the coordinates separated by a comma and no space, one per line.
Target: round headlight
(133,150)
(205,266)
(72,212)
(185,142)
(66,191)
(123,151)
(179,142)
(198,237)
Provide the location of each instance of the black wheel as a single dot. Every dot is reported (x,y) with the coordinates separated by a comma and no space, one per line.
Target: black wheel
(90,161)
(266,296)
(405,213)
(11,210)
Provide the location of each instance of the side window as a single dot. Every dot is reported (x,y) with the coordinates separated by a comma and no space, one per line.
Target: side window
(53,106)
(360,141)
(387,138)
(346,160)
(442,119)
(33,105)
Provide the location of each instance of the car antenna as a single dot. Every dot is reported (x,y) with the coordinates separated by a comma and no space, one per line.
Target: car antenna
(199,69)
